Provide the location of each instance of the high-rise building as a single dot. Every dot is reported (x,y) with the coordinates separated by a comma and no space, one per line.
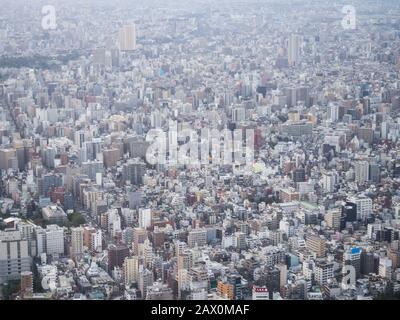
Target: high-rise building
(54,240)
(92,168)
(6,158)
(14,256)
(226,290)
(283,274)
(272,279)
(185,260)
(133,171)
(294,49)
(363,206)
(236,281)
(139,237)
(127,38)
(135,199)
(328,181)
(146,279)
(111,157)
(159,238)
(361,169)
(92,239)
(131,270)
(352,257)
(76,241)
(323,272)
(369,263)
(316,244)
(299,175)
(87,231)
(28,232)
(96,239)
(240,240)
(40,235)
(48,157)
(144,218)
(197,237)
(333,112)
(238,114)
(333,219)
(374,173)
(349,212)
(116,256)
(49,182)
(385,268)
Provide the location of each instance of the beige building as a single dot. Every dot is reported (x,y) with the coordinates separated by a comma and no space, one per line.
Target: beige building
(127,38)
(333,218)
(131,270)
(76,241)
(316,244)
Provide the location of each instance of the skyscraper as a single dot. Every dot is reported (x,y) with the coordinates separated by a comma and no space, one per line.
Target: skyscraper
(127,38)
(294,49)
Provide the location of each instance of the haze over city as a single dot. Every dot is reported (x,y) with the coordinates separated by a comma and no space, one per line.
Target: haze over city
(199,150)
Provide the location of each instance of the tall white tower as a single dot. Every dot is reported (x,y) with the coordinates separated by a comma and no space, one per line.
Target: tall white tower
(294,49)
(127,38)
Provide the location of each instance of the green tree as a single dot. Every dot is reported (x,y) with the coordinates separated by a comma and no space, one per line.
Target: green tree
(76,219)
(11,288)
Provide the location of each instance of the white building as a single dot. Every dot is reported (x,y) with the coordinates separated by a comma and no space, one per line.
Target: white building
(364,207)
(131,270)
(323,272)
(328,181)
(54,240)
(144,218)
(96,241)
(14,256)
(385,268)
(127,38)
(294,49)
(361,169)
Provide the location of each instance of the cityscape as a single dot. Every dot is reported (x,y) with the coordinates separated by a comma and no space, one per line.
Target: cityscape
(200,150)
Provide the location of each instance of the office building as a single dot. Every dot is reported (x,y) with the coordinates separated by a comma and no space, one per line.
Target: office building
(294,49)
(127,38)
(14,257)
(77,242)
